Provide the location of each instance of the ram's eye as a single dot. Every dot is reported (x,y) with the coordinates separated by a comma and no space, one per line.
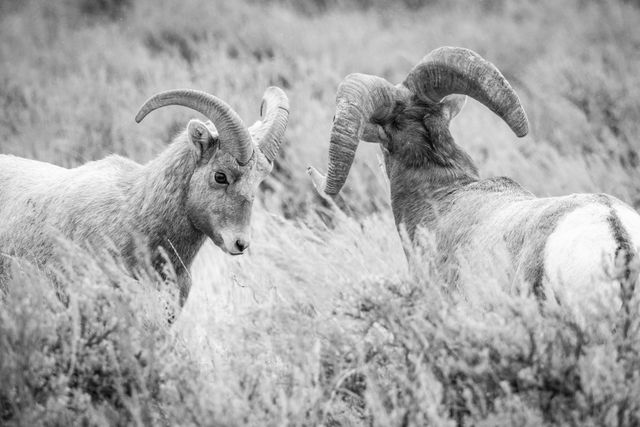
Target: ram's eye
(221,178)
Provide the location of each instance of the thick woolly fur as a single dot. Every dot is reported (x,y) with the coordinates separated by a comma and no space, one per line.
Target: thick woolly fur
(169,205)
(566,249)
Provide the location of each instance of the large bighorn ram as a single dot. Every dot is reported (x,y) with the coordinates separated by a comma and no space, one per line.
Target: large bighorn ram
(557,245)
(202,185)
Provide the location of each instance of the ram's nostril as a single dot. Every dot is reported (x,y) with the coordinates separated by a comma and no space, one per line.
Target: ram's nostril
(242,244)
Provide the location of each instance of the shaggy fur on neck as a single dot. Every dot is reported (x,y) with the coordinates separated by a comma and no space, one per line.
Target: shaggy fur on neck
(159,198)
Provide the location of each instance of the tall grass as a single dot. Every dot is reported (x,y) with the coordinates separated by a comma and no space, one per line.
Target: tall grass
(322,322)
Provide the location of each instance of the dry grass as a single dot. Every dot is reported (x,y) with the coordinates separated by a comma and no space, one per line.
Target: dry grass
(319,324)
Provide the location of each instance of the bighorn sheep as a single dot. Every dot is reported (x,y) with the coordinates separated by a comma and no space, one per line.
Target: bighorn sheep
(202,185)
(556,245)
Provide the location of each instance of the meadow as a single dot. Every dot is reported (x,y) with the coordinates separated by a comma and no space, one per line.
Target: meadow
(322,322)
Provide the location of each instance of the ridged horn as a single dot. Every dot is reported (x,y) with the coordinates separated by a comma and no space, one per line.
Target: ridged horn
(360,97)
(234,136)
(449,70)
(274,111)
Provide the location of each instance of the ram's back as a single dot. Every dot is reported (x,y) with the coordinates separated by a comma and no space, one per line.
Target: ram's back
(40,201)
(19,176)
(564,249)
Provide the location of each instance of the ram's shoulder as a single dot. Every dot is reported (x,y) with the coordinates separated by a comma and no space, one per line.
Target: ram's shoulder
(110,164)
(500,184)
(484,193)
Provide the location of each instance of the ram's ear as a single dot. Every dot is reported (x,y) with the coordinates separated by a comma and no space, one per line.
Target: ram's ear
(203,136)
(452,104)
(374,133)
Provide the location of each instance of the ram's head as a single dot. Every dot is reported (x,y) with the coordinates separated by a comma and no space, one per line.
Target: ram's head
(231,161)
(411,120)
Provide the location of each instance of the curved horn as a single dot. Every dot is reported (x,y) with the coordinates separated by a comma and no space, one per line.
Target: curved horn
(275,113)
(360,97)
(234,136)
(449,70)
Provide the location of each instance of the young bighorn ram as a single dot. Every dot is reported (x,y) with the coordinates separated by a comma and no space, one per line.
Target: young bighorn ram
(202,185)
(558,245)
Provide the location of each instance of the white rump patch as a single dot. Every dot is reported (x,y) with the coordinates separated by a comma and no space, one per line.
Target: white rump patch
(579,261)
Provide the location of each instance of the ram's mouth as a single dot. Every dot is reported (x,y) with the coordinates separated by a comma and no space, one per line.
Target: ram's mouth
(218,241)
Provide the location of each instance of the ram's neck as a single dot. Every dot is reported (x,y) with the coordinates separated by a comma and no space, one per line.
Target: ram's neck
(417,193)
(159,203)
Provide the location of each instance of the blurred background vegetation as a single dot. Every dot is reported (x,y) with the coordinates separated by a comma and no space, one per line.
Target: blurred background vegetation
(316,325)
